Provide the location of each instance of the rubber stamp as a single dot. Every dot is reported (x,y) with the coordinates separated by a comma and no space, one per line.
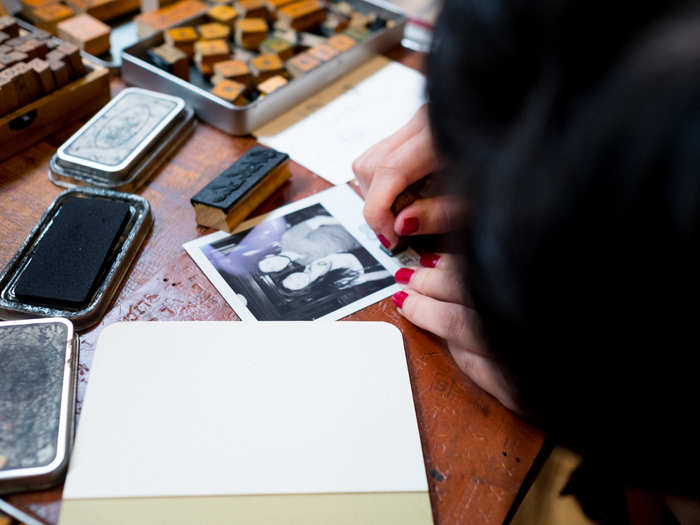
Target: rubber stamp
(302,15)
(251,32)
(233,195)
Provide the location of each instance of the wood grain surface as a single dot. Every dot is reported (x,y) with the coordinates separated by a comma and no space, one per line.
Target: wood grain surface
(477,453)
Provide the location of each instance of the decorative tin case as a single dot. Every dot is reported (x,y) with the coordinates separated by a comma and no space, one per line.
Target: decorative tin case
(37,401)
(137,224)
(124,143)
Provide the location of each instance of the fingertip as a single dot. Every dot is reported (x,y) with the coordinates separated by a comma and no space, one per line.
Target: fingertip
(409,226)
(429,260)
(403,275)
(399,298)
(385,242)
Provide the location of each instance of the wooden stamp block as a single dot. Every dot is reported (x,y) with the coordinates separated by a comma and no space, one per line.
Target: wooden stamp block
(73,58)
(9,99)
(9,26)
(271,84)
(334,23)
(150,23)
(251,8)
(359,20)
(171,59)
(235,70)
(214,31)
(233,195)
(47,17)
(323,52)
(223,14)
(266,66)
(25,81)
(182,38)
(28,6)
(301,63)
(311,40)
(282,48)
(33,48)
(209,52)
(10,59)
(302,15)
(43,71)
(341,42)
(61,72)
(231,91)
(274,5)
(251,32)
(104,9)
(86,32)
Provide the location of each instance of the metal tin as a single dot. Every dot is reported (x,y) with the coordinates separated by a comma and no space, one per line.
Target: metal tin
(68,176)
(39,414)
(241,120)
(112,142)
(132,238)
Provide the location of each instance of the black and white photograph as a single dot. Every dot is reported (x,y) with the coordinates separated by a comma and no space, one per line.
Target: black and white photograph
(301,265)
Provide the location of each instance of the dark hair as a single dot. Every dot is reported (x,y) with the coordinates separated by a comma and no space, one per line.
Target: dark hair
(574,130)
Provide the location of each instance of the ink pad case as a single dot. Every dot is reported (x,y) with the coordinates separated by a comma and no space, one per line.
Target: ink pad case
(37,402)
(73,261)
(124,143)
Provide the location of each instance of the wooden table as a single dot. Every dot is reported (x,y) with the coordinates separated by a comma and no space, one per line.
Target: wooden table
(477,453)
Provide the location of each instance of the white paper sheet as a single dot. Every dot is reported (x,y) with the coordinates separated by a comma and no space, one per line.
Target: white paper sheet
(343,204)
(207,408)
(328,131)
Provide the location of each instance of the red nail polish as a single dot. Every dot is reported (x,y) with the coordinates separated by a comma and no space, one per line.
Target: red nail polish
(399,298)
(403,275)
(429,260)
(410,225)
(385,242)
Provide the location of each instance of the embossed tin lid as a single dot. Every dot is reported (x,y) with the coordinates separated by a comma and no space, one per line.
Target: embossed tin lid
(112,142)
(37,401)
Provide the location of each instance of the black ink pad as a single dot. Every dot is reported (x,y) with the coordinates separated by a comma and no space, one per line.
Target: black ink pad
(70,258)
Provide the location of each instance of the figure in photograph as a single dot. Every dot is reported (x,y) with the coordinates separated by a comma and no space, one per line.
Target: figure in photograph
(301,266)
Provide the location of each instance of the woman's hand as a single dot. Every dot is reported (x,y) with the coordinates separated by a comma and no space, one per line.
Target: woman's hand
(435,299)
(388,168)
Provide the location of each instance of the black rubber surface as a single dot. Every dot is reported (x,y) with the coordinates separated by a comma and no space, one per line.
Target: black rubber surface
(71,258)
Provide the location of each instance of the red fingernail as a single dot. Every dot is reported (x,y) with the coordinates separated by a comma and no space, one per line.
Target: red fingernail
(429,260)
(403,275)
(399,298)
(410,225)
(385,242)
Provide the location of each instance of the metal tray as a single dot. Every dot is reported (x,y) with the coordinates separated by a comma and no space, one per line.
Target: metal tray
(242,120)
(54,335)
(124,253)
